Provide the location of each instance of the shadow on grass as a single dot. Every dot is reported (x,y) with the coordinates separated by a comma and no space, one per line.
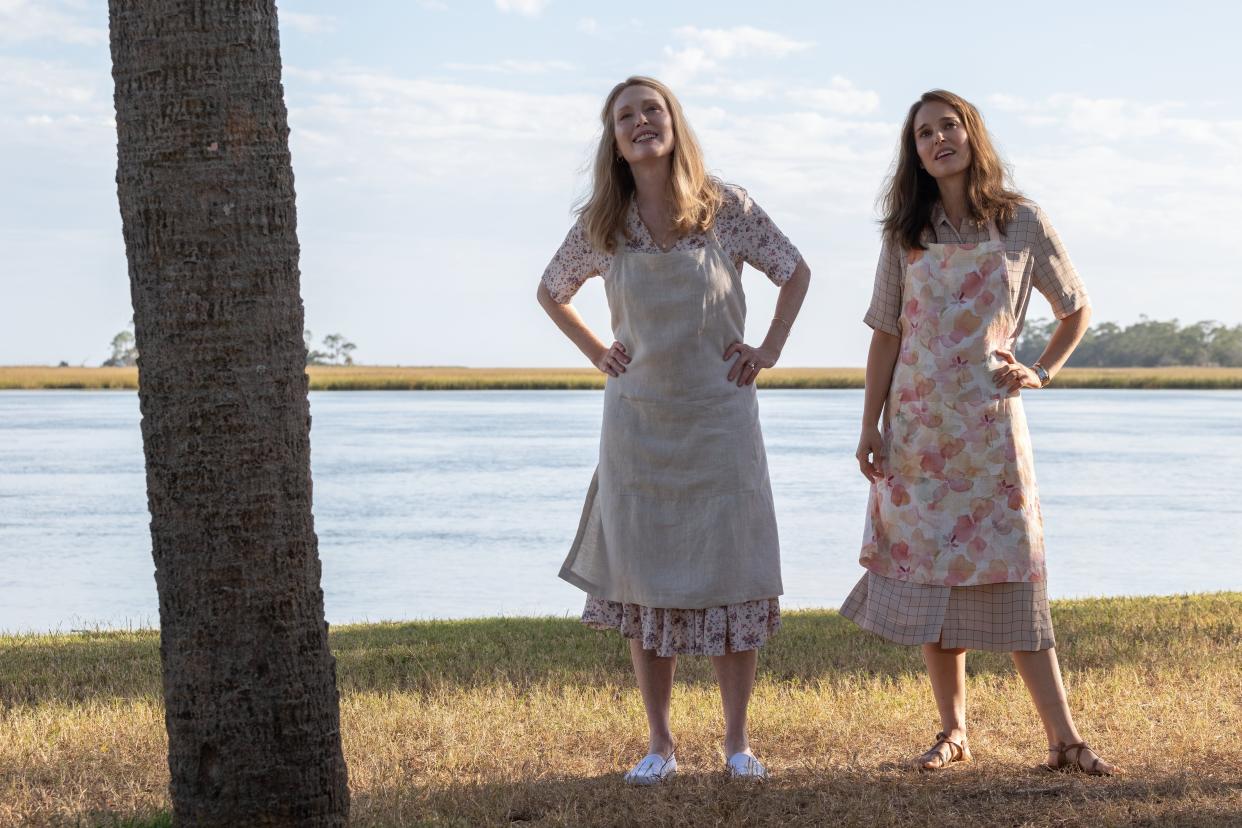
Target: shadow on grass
(110,820)
(975,796)
(979,796)
(1181,632)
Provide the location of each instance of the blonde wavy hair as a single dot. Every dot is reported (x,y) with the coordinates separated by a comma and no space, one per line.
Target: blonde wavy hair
(695,195)
(911,192)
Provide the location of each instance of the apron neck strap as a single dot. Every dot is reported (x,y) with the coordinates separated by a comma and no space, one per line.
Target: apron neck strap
(712,238)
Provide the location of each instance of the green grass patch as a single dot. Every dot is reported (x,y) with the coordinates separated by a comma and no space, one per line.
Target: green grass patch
(531,720)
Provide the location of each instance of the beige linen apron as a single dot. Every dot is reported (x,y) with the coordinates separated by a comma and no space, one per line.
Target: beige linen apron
(679,513)
(957,505)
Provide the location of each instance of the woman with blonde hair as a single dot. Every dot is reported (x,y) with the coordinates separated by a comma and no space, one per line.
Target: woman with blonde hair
(677,547)
(954,542)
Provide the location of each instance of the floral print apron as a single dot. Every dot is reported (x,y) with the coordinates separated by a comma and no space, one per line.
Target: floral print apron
(957,504)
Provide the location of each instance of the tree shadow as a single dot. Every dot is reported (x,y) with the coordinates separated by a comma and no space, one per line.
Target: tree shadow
(112,819)
(846,796)
(837,796)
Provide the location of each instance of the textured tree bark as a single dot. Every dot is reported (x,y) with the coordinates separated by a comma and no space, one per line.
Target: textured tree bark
(205,185)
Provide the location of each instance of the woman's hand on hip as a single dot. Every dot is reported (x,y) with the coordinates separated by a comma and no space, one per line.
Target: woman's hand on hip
(613,360)
(749,362)
(1014,375)
(870,452)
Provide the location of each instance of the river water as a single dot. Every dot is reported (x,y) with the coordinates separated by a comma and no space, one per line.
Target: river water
(463,504)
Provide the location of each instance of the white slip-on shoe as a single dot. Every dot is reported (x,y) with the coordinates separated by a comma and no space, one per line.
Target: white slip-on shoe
(745,766)
(652,769)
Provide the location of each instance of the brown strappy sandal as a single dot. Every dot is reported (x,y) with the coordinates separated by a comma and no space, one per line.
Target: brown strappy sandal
(958,752)
(1063,763)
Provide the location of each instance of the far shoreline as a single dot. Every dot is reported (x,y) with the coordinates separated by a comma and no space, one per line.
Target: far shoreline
(453,378)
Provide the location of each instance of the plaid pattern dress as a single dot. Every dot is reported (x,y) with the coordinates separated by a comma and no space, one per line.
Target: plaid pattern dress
(998,617)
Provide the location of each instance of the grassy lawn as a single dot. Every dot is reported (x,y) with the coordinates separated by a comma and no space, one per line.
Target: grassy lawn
(380,378)
(532,721)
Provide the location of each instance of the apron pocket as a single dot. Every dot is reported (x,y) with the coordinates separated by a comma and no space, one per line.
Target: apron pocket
(684,449)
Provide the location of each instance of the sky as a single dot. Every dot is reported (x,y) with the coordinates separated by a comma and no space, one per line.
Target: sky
(439,148)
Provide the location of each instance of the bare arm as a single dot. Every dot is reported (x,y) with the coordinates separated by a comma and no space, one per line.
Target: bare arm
(1065,339)
(610,360)
(1061,344)
(881,357)
(788,304)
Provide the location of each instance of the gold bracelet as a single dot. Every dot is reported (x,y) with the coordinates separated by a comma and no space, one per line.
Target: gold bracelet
(788,327)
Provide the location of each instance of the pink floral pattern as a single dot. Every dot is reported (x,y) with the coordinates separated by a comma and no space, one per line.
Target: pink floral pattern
(746,232)
(1035,257)
(958,504)
(712,631)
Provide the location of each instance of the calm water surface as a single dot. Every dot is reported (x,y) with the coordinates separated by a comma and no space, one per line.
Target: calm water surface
(459,504)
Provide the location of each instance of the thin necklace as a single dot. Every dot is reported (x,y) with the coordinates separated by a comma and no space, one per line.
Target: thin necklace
(664,248)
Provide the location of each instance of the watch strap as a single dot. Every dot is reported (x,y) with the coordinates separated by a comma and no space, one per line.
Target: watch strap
(1044,377)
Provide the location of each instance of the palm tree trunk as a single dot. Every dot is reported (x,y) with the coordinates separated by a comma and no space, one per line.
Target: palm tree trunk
(205,185)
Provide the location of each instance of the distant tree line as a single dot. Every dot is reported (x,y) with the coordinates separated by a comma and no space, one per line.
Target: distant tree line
(124,350)
(1146,343)
(337,350)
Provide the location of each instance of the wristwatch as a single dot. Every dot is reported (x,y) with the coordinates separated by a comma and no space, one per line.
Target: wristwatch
(1042,373)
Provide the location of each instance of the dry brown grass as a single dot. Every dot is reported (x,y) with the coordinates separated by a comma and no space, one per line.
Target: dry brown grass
(1173,376)
(33,377)
(532,721)
(380,378)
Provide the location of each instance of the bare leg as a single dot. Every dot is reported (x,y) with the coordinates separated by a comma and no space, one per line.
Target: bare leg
(655,682)
(1042,675)
(736,674)
(946,668)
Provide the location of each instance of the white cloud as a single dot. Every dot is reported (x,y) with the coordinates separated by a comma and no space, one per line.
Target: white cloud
(740,41)
(681,65)
(1124,169)
(1121,120)
(23,20)
(383,130)
(433,5)
(528,8)
(308,23)
(37,89)
(704,50)
(750,89)
(840,96)
(828,165)
(588,25)
(514,67)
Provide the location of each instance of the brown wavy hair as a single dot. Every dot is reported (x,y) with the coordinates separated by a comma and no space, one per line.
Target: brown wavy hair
(695,195)
(910,192)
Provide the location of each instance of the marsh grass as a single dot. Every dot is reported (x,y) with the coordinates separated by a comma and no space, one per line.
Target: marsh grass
(532,721)
(36,377)
(379,378)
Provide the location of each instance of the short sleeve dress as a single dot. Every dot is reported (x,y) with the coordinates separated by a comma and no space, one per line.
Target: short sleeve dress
(1005,616)
(746,235)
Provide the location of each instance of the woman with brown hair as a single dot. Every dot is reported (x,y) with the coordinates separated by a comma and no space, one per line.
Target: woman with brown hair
(953,542)
(677,547)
